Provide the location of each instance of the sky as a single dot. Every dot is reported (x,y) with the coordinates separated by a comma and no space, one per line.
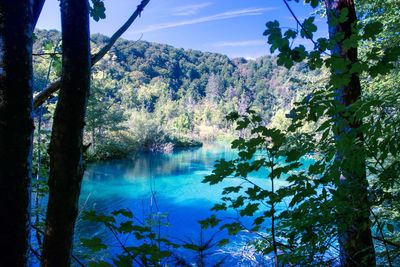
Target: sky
(231,27)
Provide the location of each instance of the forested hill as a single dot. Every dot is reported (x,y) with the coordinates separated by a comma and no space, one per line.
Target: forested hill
(177,91)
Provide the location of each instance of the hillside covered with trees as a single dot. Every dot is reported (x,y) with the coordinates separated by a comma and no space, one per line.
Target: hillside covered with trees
(155,97)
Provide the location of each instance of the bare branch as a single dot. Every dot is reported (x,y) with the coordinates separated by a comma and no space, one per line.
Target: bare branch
(308,35)
(47,92)
(96,58)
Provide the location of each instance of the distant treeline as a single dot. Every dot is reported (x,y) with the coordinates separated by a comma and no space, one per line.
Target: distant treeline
(157,96)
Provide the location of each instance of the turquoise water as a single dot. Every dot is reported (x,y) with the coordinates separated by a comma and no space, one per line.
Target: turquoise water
(166,183)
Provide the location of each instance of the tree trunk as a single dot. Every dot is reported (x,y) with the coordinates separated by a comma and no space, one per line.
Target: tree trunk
(16,128)
(355,238)
(66,162)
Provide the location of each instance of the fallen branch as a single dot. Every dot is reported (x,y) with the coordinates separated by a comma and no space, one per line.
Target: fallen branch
(47,92)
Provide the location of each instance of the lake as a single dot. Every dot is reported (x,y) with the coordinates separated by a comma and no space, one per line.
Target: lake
(166,183)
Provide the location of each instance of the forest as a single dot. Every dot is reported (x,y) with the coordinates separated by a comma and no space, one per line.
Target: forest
(148,96)
(127,152)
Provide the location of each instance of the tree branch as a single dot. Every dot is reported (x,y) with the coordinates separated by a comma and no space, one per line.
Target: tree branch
(35,253)
(379,225)
(96,58)
(37,9)
(308,35)
(391,243)
(47,92)
(46,54)
(123,246)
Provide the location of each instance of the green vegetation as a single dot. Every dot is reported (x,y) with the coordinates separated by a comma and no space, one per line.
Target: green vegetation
(147,96)
(154,97)
(343,208)
(338,104)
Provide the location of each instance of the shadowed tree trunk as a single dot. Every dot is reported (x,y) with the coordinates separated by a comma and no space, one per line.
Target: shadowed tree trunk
(16,128)
(66,163)
(356,246)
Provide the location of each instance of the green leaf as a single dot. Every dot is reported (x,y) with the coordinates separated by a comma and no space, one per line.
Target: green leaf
(128,227)
(192,247)
(124,212)
(97,10)
(309,28)
(231,189)
(95,244)
(250,209)
(233,228)
(371,29)
(100,264)
(218,207)
(390,227)
(92,216)
(223,242)
(210,222)
(233,116)
(344,14)
(123,261)
(314,3)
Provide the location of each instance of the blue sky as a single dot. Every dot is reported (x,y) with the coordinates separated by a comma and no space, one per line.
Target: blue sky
(231,27)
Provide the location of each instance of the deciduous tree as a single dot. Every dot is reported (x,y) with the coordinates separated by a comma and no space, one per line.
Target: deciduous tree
(355,236)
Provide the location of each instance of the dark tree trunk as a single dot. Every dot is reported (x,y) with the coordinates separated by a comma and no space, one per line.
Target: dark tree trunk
(16,128)
(355,238)
(66,162)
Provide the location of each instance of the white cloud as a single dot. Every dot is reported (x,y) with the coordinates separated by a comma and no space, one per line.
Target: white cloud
(215,17)
(244,43)
(190,9)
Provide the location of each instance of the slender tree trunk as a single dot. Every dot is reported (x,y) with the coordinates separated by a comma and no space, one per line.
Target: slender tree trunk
(66,162)
(94,138)
(355,238)
(271,175)
(16,128)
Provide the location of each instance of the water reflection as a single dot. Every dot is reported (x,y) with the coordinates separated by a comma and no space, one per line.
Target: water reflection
(152,165)
(173,179)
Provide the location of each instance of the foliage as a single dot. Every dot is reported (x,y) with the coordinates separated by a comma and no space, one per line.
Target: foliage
(176,97)
(149,248)
(141,242)
(154,97)
(280,156)
(97,10)
(313,207)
